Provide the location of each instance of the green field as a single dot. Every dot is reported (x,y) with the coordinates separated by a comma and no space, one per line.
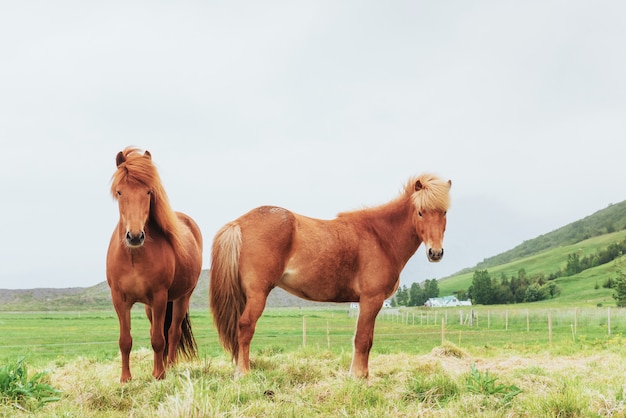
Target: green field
(417,364)
(43,337)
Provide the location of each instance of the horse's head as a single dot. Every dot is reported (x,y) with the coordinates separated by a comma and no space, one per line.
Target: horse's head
(431,198)
(133,194)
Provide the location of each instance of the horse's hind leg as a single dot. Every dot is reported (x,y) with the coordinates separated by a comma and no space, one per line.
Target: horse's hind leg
(247,324)
(364,337)
(179,310)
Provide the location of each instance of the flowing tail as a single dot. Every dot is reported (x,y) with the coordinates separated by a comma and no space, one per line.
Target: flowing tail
(187,346)
(226,296)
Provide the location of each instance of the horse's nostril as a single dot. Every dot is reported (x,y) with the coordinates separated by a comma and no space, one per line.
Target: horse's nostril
(135,240)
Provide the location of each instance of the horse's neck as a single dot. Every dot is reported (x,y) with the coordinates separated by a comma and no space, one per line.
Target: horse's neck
(394,225)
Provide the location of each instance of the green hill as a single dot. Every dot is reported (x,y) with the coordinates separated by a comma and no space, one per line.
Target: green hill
(548,254)
(605,221)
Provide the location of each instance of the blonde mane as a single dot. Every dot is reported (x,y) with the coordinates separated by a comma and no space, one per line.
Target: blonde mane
(429,192)
(138,169)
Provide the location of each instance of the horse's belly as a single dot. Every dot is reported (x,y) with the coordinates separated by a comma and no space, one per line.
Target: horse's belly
(318,288)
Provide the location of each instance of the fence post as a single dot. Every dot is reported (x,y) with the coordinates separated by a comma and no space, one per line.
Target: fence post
(460,317)
(550,326)
(327,334)
(527,320)
(443,325)
(488,319)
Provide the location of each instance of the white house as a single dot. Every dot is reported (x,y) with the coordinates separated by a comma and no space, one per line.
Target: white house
(446,301)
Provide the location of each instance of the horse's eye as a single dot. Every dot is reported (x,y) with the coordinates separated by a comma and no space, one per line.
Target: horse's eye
(119,193)
(420,214)
(149,192)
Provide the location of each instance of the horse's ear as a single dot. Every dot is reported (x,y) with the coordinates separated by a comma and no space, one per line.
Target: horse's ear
(449,184)
(147,154)
(418,186)
(120,159)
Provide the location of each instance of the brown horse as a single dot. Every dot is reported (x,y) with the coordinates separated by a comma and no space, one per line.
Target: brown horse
(356,257)
(154,257)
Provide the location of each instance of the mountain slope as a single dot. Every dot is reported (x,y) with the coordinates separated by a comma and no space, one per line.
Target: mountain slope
(584,287)
(610,219)
(98,298)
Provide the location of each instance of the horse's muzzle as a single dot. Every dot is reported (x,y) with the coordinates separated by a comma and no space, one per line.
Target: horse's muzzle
(435,256)
(135,240)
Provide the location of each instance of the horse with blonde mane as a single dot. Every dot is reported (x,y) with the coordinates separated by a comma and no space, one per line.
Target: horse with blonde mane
(154,257)
(356,257)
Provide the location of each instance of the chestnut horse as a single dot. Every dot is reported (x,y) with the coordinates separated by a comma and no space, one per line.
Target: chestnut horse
(154,257)
(356,257)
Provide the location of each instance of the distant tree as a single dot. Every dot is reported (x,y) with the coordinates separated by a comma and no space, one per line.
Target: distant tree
(533,293)
(461,294)
(416,295)
(503,295)
(551,289)
(481,291)
(620,284)
(402,296)
(431,289)
(609,283)
(573,265)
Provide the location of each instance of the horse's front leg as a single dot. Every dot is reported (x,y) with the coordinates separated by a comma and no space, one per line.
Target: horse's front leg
(364,337)
(157,338)
(126,340)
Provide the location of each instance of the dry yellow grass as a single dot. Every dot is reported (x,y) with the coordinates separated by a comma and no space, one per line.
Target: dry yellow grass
(316,383)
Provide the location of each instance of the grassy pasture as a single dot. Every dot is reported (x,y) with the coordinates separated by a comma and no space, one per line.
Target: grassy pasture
(46,336)
(580,373)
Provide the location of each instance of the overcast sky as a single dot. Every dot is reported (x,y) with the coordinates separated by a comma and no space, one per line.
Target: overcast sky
(319,107)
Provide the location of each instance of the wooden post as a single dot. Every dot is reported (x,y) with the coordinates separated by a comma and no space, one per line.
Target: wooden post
(527,320)
(460,317)
(327,335)
(443,332)
(471,318)
(575,320)
(304,331)
(550,326)
(488,319)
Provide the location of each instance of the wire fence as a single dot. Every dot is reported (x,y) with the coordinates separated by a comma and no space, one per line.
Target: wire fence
(46,336)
